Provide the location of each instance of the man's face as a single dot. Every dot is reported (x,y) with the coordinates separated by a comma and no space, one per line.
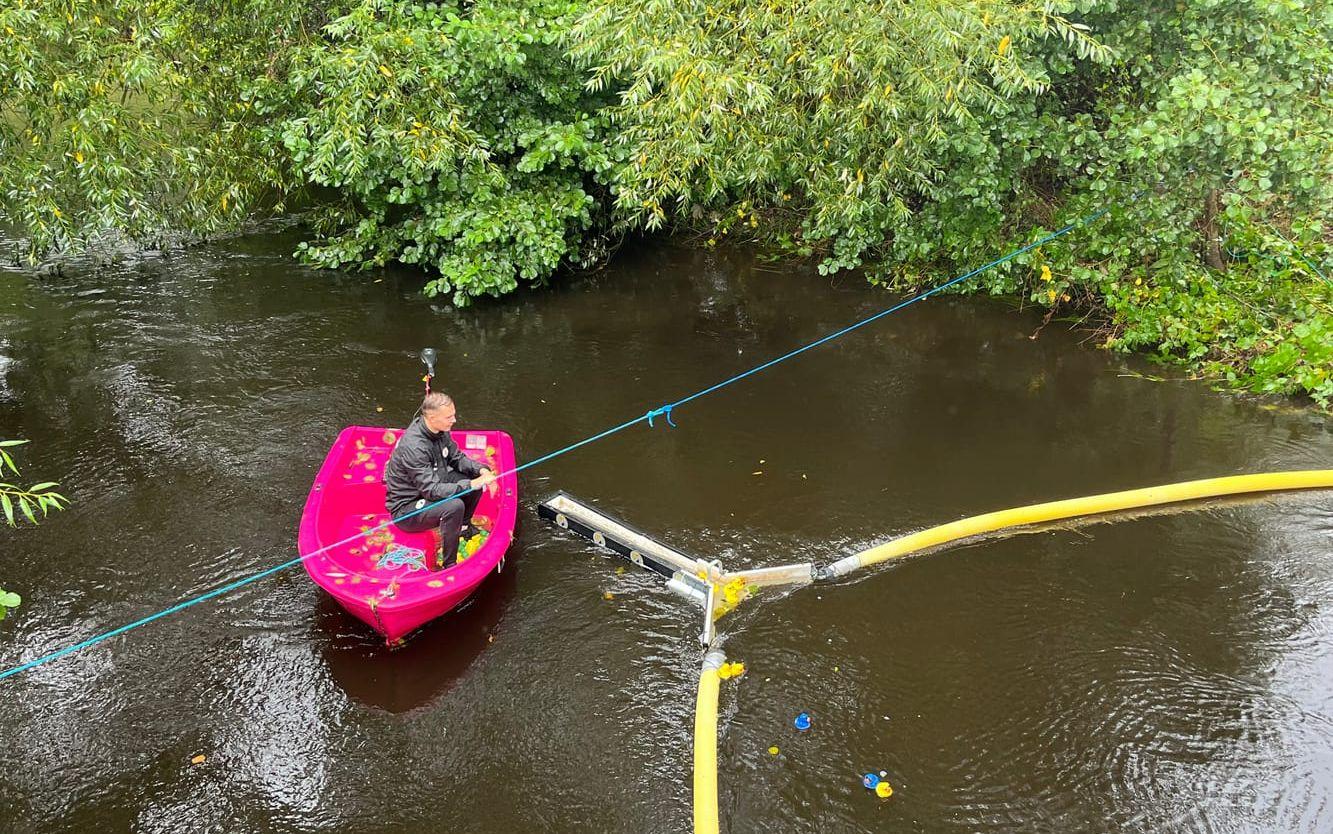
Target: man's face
(441,419)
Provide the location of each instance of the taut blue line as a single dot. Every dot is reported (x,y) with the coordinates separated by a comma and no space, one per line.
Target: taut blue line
(664,410)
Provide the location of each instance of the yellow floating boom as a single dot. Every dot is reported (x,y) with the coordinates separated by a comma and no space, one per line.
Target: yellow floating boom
(705,711)
(705,745)
(1075,507)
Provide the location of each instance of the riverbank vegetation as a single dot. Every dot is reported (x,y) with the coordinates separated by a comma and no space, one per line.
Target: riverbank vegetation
(18,503)
(496,142)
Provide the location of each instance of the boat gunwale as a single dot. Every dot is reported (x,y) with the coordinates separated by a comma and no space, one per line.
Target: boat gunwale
(461,577)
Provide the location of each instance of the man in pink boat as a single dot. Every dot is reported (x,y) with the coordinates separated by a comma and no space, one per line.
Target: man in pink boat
(426,468)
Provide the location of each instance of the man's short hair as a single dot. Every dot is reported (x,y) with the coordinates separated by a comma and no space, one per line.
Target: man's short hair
(436,400)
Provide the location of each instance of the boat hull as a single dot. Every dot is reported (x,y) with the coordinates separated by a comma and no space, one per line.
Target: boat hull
(346,533)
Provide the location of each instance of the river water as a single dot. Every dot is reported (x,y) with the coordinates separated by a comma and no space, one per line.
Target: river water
(1161,674)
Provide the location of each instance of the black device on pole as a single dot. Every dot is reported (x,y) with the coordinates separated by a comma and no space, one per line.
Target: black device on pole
(428,356)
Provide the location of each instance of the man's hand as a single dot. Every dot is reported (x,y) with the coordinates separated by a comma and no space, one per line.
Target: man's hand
(486,480)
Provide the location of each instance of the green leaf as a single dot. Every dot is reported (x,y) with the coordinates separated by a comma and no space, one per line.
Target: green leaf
(7,443)
(8,507)
(25,504)
(9,599)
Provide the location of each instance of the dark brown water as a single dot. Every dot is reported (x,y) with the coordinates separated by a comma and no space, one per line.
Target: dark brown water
(1163,674)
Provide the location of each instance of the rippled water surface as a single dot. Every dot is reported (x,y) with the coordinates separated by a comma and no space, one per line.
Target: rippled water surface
(1160,674)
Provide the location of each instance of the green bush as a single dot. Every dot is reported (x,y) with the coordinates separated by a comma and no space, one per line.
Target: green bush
(452,135)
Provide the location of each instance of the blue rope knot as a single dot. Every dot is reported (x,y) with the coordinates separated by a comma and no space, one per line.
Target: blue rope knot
(400,556)
(664,411)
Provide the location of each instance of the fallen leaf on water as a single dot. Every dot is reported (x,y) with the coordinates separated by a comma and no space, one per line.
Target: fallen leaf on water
(757,472)
(379,408)
(773,751)
(198,759)
(608,595)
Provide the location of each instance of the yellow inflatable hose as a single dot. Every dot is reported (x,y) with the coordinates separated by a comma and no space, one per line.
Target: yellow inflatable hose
(1076,507)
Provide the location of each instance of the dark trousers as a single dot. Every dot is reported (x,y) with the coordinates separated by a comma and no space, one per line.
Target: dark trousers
(450,517)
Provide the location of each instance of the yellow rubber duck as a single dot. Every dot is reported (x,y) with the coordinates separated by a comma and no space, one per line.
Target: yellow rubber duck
(469,548)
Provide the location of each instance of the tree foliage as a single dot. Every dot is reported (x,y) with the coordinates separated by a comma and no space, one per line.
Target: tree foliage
(28,502)
(454,135)
(846,113)
(1222,108)
(125,119)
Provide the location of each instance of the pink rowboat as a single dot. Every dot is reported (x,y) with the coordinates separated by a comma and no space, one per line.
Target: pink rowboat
(375,576)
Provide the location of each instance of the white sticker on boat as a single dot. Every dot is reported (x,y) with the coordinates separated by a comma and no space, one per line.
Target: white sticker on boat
(475,441)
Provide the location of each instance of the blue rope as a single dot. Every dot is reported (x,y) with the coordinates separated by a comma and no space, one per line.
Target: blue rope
(1236,255)
(663,411)
(923,296)
(400,555)
(1300,254)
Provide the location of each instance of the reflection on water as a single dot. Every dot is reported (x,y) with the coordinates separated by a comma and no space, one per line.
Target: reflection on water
(428,664)
(1167,672)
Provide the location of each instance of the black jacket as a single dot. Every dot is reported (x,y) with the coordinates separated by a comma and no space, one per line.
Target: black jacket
(427,465)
